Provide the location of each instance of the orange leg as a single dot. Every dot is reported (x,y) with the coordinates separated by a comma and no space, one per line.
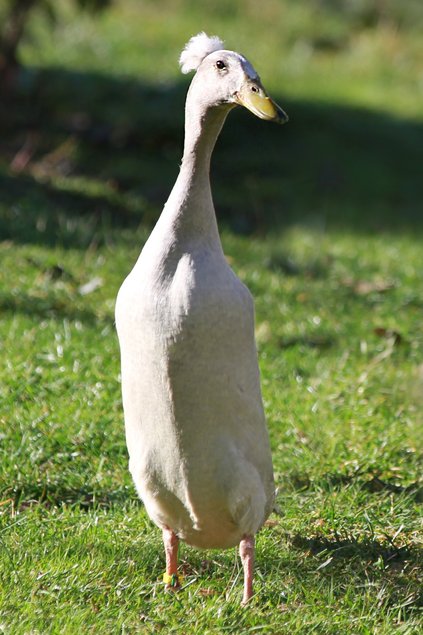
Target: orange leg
(246,551)
(171,543)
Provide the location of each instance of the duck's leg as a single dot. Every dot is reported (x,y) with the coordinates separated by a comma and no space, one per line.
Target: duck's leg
(246,551)
(171,542)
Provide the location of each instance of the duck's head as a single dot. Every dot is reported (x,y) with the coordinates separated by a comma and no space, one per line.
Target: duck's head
(227,78)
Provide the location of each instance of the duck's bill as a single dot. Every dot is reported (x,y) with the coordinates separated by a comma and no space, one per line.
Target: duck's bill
(253,97)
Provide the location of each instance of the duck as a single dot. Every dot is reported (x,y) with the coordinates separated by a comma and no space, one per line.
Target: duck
(198,444)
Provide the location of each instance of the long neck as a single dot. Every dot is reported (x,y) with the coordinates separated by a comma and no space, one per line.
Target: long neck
(202,127)
(189,212)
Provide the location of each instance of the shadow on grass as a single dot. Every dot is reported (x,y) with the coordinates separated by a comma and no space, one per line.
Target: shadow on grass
(48,213)
(350,548)
(343,558)
(49,307)
(367,480)
(91,153)
(86,499)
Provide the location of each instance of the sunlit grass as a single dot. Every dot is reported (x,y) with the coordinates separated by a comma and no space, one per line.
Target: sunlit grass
(333,257)
(344,422)
(302,50)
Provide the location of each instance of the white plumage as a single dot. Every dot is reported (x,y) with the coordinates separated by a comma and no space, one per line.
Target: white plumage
(196,434)
(197,49)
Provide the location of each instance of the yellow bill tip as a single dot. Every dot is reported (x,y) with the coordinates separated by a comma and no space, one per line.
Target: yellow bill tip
(254,98)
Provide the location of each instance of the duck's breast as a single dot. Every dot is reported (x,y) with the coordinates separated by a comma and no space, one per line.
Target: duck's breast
(191,391)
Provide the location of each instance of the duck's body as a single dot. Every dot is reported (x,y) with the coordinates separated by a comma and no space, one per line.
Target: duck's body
(195,426)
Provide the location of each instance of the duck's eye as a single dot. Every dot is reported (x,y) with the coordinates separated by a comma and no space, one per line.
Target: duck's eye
(220,65)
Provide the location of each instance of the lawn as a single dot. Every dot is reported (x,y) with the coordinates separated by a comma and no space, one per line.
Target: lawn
(322,219)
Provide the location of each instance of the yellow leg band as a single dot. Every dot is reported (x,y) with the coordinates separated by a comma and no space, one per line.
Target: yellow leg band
(173,580)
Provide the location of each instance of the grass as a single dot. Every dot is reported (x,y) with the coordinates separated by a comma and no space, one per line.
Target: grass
(321,219)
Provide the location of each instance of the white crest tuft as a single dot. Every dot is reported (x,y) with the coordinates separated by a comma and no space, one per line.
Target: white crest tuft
(197,49)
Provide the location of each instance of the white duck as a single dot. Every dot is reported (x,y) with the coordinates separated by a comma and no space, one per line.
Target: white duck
(195,427)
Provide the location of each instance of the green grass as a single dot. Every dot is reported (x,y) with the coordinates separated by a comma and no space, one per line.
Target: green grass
(322,219)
